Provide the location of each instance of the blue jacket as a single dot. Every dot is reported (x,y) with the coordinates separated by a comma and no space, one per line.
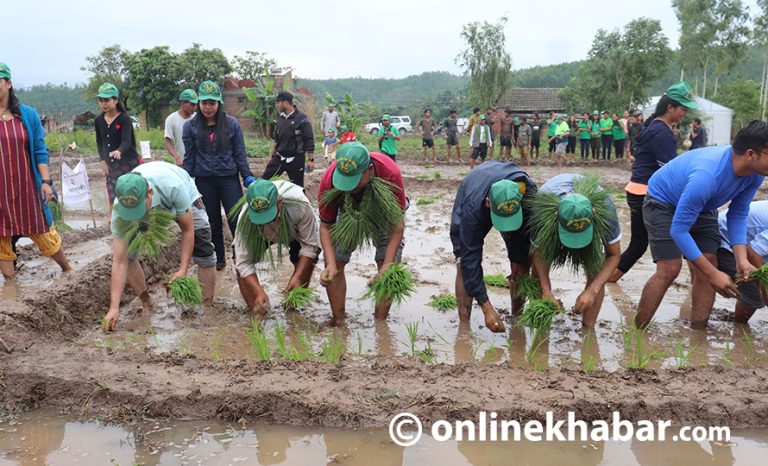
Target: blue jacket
(209,160)
(38,152)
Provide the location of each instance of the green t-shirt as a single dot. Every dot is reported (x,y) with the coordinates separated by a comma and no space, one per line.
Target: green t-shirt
(618,133)
(562,130)
(584,127)
(595,128)
(606,125)
(552,127)
(389,143)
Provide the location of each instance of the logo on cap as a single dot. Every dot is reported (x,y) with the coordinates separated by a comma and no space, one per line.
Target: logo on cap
(208,87)
(578,224)
(508,207)
(128,201)
(259,203)
(346,165)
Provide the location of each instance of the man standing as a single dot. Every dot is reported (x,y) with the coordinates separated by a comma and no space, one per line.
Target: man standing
(491,196)
(698,135)
(330,119)
(578,241)
(159,185)
(174,125)
(294,142)
(680,214)
(552,125)
(388,137)
(353,174)
(489,121)
(473,119)
(524,140)
(479,141)
(427,126)
(280,213)
(506,135)
(535,136)
(451,129)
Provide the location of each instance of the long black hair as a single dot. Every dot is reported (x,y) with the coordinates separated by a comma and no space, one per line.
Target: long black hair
(14,106)
(220,131)
(661,108)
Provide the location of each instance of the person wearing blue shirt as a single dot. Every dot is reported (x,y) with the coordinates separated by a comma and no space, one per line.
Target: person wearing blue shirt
(751,298)
(680,213)
(489,196)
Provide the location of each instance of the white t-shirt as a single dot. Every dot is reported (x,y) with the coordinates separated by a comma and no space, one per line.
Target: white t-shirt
(173,128)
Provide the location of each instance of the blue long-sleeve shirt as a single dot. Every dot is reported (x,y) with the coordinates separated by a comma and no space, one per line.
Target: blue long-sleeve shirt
(208,159)
(702,180)
(471,222)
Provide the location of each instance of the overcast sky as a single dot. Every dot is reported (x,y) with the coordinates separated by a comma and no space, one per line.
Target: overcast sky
(47,41)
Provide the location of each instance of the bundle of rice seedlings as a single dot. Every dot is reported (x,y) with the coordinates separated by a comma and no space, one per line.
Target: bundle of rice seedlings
(527,287)
(544,231)
(258,247)
(538,313)
(57,210)
(360,223)
(496,279)
(147,237)
(186,290)
(760,275)
(394,285)
(298,298)
(443,302)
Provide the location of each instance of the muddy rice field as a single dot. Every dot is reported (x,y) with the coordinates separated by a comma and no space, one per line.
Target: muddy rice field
(187,386)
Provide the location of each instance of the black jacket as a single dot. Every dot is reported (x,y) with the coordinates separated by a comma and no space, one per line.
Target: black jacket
(209,160)
(293,135)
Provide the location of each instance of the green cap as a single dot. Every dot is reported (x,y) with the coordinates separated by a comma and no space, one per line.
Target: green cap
(385,117)
(209,90)
(131,192)
(188,95)
(517,120)
(107,91)
(351,161)
(5,72)
(560,117)
(343,127)
(596,112)
(682,93)
(481,117)
(262,201)
(574,216)
(331,130)
(505,197)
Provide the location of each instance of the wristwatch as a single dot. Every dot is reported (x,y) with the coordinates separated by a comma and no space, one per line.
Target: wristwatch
(48,182)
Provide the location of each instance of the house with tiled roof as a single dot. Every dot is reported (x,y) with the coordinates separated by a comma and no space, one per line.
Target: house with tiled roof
(528,100)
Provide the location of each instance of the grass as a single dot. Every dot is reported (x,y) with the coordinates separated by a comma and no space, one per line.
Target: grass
(438,175)
(298,298)
(538,314)
(443,302)
(588,361)
(186,291)
(533,351)
(497,279)
(394,285)
(413,335)
(428,354)
(258,339)
(727,360)
(424,201)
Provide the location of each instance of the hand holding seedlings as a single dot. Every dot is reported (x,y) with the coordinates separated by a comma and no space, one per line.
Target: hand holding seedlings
(328,275)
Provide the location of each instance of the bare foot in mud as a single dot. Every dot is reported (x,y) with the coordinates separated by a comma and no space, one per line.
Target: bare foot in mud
(146,302)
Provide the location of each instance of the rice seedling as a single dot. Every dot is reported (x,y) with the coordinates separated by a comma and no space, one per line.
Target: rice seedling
(298,298)
(332,349)
(280,341)
(413,335)
(359,344)
(218,341)
(422,177)
(752,356)
(497,279)
(186,290)
(57,210)
(257,337)
(588,347)
(424,201)
(527,287)
(727,360)
(427,355)
(428,166)
(682,354)
(538,313)
(537,342)
(169,159)
(634,343)
(146,237)
(443,302)
(438,175)
(760,275)
(394,285)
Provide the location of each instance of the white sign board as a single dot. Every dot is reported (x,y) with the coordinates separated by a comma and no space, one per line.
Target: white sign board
(145,152)
(74,183)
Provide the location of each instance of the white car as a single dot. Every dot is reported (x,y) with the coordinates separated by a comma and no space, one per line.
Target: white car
(135,122)
(401,122)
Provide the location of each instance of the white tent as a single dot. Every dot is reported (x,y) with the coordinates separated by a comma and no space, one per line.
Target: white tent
(715,118)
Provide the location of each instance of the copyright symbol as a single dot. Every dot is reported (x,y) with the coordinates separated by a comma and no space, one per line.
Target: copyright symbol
(401,421)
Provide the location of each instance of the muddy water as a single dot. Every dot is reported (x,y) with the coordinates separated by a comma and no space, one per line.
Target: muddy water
(43,438)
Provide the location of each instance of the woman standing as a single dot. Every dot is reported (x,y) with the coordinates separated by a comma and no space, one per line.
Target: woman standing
(594,142)
(214,154)
(606,134)
(25,184)
(573,125)
(656,145)
(585,136)
(114,138)
(619,135)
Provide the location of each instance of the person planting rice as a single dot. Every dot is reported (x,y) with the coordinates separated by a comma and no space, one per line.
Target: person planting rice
(166,187)
(361,201)
(681,218)
(490,196)
(575,224)
(274,212)
(752,293)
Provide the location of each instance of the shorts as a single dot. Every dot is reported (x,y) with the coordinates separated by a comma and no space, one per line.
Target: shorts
(560,147)
(49,243)
(452,139)
(536,142)
(506,141)
(480,151)
(381,250)
(427,142)
(658,220)
(203,253)
(750,293)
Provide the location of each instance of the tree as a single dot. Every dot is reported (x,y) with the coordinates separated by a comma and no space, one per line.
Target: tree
(760,39)
(197,64)
(352,114)
(153,82)
(486,60)
(253,66)
(743,97)
(108,65)
(619,68)
(261,104)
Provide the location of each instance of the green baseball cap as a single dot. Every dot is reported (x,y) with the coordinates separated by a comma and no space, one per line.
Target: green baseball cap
(188,95)
(343,127)
(131,192)
(481,117)
(107,91)
(596,112)
(505,197)
(517,120)
(385,117)
(682,93)
(574,217)
(262,202)
(351,161)
(209,90)
(5,72)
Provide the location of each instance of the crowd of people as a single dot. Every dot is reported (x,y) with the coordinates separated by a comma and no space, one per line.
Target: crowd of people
(569,219)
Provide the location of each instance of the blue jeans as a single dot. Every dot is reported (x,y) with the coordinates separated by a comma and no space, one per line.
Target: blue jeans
(607,142)
(584,148)
(219,191)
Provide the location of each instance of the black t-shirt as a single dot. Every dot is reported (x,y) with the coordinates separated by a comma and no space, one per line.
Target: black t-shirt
(536,129)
